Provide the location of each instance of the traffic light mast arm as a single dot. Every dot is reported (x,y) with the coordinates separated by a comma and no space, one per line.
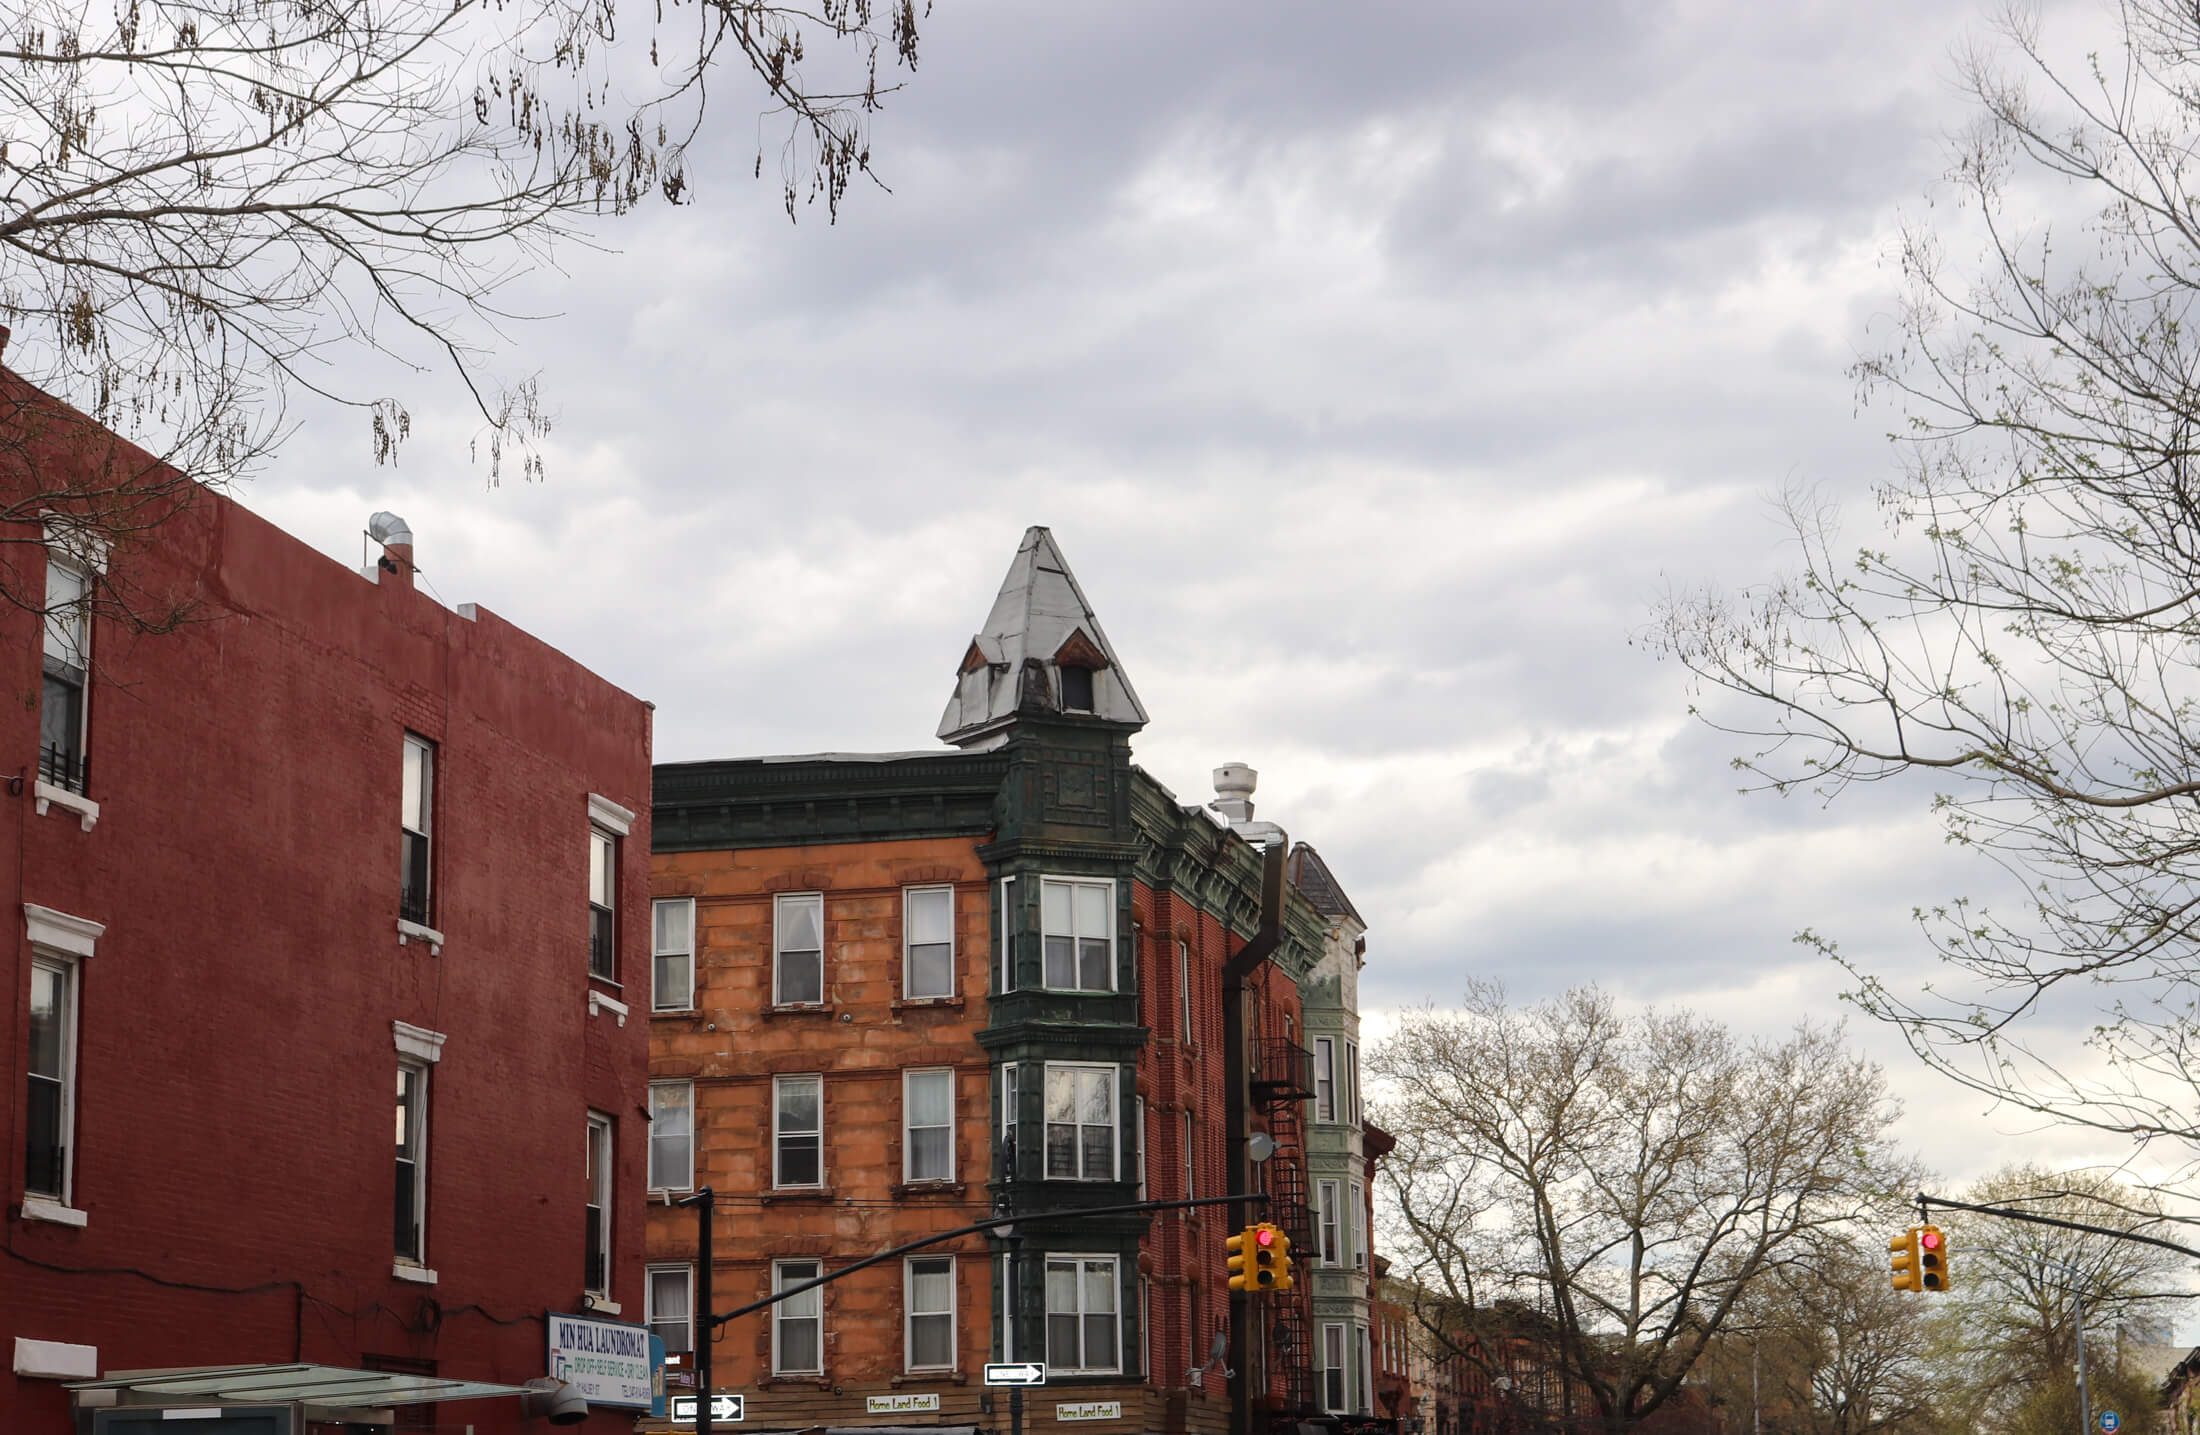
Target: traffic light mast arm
(1924,1200)
(713,1321)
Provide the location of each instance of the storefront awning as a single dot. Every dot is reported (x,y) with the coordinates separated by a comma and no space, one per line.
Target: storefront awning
(313,1384)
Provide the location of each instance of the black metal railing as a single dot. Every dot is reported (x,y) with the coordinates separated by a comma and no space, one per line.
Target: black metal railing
(64,768)
(1282,1071)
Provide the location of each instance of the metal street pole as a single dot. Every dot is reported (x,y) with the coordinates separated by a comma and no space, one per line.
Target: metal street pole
(2085,1397)
(705,1325)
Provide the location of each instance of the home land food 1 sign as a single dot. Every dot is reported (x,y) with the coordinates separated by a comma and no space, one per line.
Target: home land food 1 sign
(607,1362)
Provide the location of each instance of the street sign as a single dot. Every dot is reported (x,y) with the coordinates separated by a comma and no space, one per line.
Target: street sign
(2110,1420)
(1026,1372)
(722,1407)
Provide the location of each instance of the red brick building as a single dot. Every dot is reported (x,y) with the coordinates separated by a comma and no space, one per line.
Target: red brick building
(326,855)
(901,992)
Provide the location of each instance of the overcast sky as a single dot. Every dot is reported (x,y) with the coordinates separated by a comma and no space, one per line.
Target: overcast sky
(1376,367)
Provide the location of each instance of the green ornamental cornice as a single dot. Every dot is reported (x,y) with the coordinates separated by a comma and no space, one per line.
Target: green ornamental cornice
(774,802)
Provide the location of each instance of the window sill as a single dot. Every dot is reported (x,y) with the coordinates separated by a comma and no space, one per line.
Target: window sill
(818,1381)
(39,1208)
(779,1009)
(51,796)
(599,1003)
(798,1195)
(414,1272)
(414,932)
(929,1375)
(948,1003)
(688,1012)
(902,1190)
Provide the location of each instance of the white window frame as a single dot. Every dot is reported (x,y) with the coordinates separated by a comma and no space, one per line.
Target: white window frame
(68,972)
(1352,1082)
(1008,935)
(1334,1365)
(1115,1287)
(1138,1113)
(909,1127)
(658,1136)
(603,895)
(1184,992)
(910,1314)
(1107,886)
(780,1133)
(780,904)
(72,632)
(1325,1078)
(782,1313)
(1329,1220)
(652,1318)
(1355,1225)
(1115,1121)
(1191,1155)
(908,985)
(1008,1308)
(418,1113)
(1361,1403)
(415,743)
(664,996)
(602,1195)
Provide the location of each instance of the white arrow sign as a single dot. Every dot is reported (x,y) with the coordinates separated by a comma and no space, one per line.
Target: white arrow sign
(1029,1372)
(722,1407)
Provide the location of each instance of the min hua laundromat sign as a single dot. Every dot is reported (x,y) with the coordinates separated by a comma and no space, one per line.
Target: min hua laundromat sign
(606,1361)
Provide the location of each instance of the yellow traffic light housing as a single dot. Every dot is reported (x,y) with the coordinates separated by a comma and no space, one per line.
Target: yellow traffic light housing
(1240,1247)
(1265,1237)
(1282,1248)
(1932,1258)
(1903,1261)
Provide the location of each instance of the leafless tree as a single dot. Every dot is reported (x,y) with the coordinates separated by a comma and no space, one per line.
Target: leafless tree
(2022,638)
(209,209)
(1631,1179)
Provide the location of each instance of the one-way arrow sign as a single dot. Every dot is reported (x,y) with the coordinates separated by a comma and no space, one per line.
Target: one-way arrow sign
(1029,1372)
(722,1407)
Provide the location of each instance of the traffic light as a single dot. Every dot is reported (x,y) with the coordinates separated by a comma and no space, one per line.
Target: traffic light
(1932,1258)
(1240,1247)
(1265,1237)
(1284,1280)
(1903,1264)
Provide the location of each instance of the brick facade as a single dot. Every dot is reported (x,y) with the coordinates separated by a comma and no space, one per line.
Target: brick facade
(234,1053)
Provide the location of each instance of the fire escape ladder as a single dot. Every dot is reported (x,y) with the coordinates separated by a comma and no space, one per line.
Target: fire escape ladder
(1291,1331)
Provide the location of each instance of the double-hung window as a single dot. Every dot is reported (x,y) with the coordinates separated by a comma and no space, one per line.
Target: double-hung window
(1008,934)
(1080,1122)
(928,1125)
(1333,1371)
(1325,1078)
(1331,1203)
(596,1279)
(1138,1124)
(68,661)
(668,1300)
(928,942)
(672,960)
(52,1077)
(603,904)
(1355,1229)
(1078,919)
(1184,992)
(416,806)
(1083,1328)
(798,1322)
(671,1135)
(798,949)
(1352,1082)
(1191,1156)
(928,1303)
(411,1211)
(798,1130)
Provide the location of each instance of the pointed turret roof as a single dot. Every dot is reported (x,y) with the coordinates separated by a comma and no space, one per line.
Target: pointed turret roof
(1040,625)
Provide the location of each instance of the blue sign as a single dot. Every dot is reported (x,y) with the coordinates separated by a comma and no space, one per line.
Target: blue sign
(2110,1420)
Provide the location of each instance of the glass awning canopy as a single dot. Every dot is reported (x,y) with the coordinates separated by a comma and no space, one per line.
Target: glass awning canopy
(315,1384)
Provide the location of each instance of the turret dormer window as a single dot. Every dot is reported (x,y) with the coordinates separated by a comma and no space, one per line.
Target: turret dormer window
(1076,690)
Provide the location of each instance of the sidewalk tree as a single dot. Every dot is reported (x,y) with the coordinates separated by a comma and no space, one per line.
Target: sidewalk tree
(2022,639)
(1633,1179)
(205,211)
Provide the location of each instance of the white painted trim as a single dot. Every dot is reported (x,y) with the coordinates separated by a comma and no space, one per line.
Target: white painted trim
(414,932)
(60,932)
(79,543)
(418,1275)
(39,1208)
(608,815)
(598,1002)
(1074,881)
(600,1303)
(952,972)
(908,1131)
(49,795)
(55,1359)
(417,1041)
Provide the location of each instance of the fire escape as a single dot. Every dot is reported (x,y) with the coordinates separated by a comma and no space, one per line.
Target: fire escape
(1283,1081)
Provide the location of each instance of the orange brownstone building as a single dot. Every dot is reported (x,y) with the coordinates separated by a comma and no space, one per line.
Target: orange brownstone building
(896,994)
